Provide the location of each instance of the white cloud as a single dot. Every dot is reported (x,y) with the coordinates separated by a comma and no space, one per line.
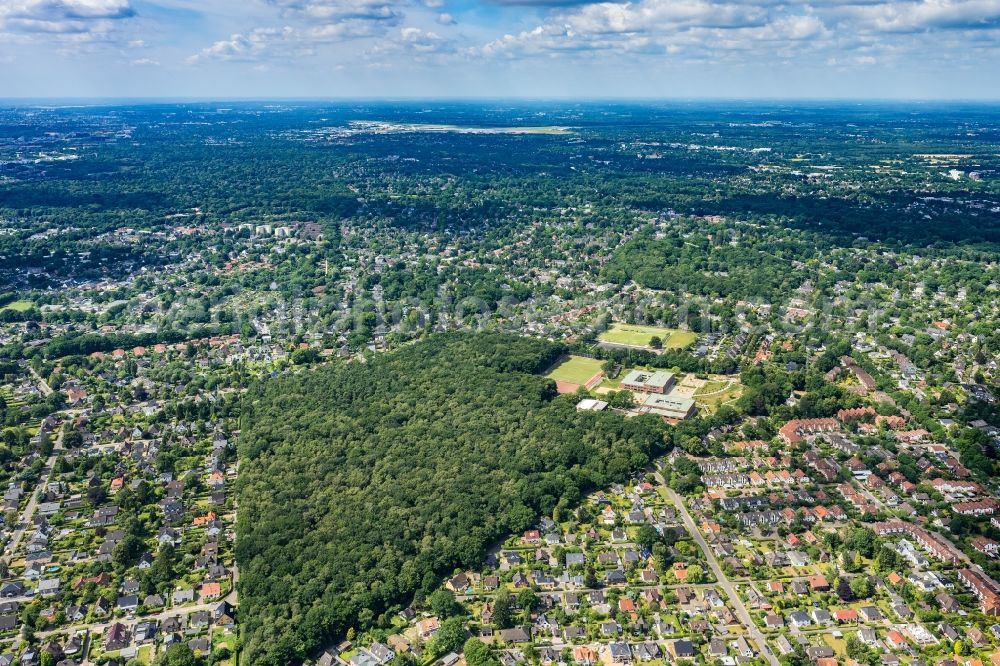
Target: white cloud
(345,30)
(927,15)
(420,40)
(330,11)
(644,26)
(835,34)
(250,46)
(762,30)
(73,18)
(312,25)
(415,42)
(654,15)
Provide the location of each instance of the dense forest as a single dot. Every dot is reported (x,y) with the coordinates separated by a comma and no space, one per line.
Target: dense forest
(362,484)
(742,265)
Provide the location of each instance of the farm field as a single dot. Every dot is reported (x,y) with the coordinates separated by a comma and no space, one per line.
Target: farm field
(635,335)
(574,372)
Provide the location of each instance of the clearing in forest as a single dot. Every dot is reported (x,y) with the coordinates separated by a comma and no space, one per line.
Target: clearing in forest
(576,371)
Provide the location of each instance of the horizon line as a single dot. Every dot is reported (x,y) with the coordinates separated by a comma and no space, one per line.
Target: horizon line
(106,99)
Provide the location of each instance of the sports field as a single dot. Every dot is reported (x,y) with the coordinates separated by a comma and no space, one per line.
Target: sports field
(574,372)
(634,335)
(17,306)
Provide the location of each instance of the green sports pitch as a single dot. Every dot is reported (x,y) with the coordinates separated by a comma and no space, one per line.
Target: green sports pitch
(634,335)
(17,306)
(576,370)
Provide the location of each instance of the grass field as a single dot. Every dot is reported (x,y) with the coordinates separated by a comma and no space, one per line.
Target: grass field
(18,306)
(639,336)
(715,393)
(712,386)
(575,370)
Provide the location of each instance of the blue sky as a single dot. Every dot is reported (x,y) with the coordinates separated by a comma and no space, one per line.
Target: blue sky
(941,49)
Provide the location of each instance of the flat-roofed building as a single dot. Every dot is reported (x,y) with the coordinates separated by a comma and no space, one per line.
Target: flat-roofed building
(591,405)
(643,381)
(670,407)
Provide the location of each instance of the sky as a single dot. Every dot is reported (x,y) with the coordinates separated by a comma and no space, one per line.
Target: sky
(731,49)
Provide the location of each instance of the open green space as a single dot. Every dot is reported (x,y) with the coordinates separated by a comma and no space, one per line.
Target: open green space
(18,306)
(635,335)
(712,386)
(715,393)
(575,370)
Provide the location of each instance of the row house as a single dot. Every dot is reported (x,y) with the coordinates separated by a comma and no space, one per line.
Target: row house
(823,513)
(984,507)
(856,414)
(723,466)
(827,469)
(795,431)
(747,446)
(987,547)
(983,587)
(759,518)
(934,543)
(955,487)
(892,422)
(726,481)
(857,500)
(841,443)
(743,503)
(912,436)
(865,380)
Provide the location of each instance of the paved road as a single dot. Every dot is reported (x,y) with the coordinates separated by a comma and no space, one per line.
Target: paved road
(233,595)
(738,608)
(29,510)
(560,592)
(98,628)
(42,386)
